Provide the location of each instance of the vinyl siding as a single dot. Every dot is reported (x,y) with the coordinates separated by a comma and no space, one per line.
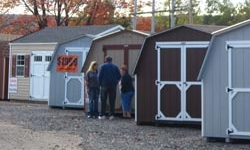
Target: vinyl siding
(23,91)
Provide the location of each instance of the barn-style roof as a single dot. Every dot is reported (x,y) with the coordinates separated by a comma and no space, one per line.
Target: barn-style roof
(218,33)
(209,29)
(63,33)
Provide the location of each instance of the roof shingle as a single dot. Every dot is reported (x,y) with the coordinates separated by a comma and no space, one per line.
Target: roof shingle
(62,33)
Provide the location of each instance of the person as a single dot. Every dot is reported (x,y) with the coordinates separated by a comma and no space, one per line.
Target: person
(127,91)
(109,76)
(93,89)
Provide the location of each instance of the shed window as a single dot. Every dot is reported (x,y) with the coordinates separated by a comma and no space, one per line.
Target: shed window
(38,58)
(20,65)
(48,58)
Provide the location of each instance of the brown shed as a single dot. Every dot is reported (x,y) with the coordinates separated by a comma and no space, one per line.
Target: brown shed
(166,73)
(123,46)
(4,64)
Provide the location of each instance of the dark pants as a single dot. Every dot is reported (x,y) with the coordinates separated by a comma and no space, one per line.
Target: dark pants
(93,102)
(108,92)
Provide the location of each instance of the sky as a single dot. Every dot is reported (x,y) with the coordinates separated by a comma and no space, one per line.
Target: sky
(20,9)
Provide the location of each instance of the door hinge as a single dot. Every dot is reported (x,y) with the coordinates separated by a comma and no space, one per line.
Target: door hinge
(229,90)
(157,82)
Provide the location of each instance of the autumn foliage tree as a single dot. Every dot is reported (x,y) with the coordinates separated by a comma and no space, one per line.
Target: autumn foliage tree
(43,13)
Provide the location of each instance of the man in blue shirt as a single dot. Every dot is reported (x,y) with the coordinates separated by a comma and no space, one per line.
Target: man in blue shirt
(109,76)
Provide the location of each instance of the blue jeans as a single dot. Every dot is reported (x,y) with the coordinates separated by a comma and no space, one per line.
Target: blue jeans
(93,102)
(126,100)
(109,91)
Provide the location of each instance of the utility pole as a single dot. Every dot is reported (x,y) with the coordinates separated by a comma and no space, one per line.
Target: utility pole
(172,14)
(134,16)
(153,18)
(190,12)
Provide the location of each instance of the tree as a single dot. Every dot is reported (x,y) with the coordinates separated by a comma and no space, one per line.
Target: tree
(244,10)
(62,10)
(221,12)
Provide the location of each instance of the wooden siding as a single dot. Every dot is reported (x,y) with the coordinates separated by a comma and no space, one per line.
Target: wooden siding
(4,64)
(122,38)
(147,74)
(123,47)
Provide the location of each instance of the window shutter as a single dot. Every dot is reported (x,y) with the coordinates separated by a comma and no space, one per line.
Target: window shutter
(27,66)
(13,66)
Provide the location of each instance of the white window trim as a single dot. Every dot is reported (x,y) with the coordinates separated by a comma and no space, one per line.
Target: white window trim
(20,65)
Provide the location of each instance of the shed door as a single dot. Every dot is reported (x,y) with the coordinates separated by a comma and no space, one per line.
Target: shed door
(39,77)
(118,59)
(74,81)
(239,87)
(179,93)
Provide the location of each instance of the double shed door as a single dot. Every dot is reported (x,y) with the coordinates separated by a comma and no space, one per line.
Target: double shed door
(122,54)
(238,88)
(178,91)
(39,77)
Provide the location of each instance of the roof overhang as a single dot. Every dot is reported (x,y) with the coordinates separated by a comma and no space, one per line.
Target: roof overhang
(22,44)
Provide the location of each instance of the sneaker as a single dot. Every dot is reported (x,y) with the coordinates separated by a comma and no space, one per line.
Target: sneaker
(101,117)
(89,117)
(111,118)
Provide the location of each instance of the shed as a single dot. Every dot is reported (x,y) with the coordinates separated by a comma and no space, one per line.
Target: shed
(4,63)
(123,46)
(166,75)
(226,86)
(31,55)
(66,78)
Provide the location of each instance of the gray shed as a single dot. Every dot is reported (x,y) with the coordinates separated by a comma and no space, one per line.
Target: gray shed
(123,46)
(225,84)
(66,78)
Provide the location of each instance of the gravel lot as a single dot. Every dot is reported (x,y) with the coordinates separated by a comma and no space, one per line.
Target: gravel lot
(36,126)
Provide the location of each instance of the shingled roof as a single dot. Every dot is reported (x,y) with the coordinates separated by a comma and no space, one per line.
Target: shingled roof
(205,28)
(63,33)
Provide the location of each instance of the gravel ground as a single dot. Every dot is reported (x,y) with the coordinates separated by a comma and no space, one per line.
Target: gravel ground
(36,126)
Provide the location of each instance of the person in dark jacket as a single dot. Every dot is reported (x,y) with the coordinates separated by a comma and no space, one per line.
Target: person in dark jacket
(109,76)
(127,91)
(93,89)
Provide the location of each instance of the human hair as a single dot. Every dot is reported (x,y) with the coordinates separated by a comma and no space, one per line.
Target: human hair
(108,59)
(91,66)
(124,68)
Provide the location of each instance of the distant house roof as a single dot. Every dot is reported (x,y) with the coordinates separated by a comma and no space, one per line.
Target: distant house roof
(63,33)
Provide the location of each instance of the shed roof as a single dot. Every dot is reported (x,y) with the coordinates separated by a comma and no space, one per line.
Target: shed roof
(63,33)
(218,33)
(109,36)
(120,32)
(203,28)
